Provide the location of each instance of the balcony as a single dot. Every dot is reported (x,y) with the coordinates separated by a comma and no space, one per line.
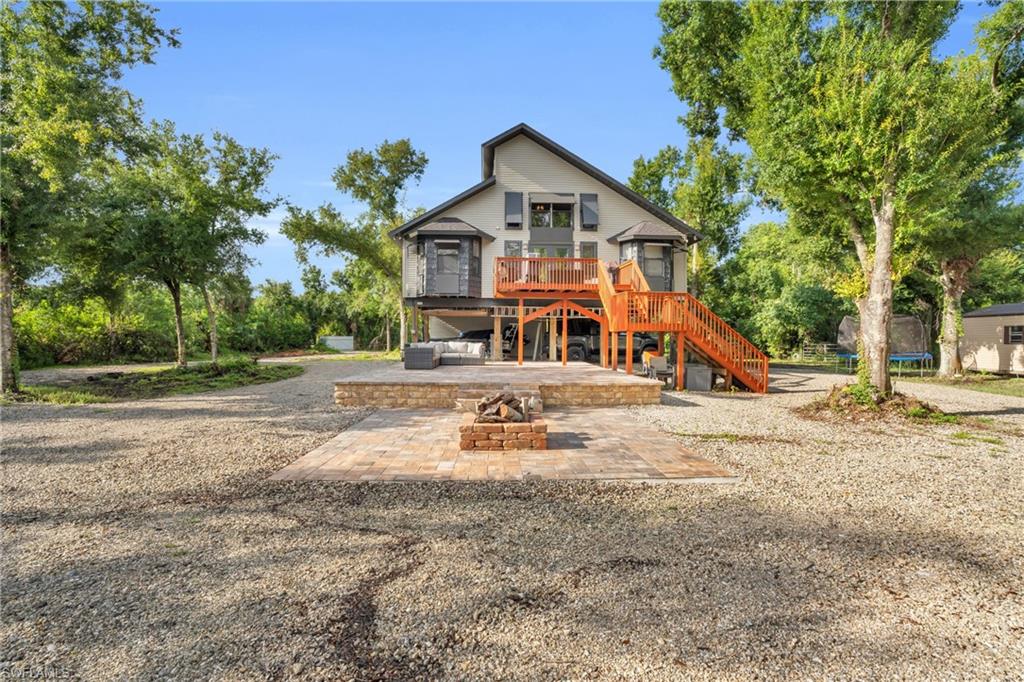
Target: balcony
(526,277)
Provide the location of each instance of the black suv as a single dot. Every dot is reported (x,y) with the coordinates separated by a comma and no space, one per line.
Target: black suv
(584,341)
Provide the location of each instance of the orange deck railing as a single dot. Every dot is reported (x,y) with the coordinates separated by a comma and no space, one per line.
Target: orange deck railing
(514,275)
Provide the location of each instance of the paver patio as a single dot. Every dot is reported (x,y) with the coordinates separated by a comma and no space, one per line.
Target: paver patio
(422,445)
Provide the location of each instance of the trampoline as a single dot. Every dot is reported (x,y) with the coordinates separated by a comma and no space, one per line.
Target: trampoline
(924,360)
(907,337)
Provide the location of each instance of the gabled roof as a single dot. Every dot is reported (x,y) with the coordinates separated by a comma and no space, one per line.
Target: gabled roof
(455,227)
(438,210)
(998,310)
(487,170)
(690,235)
(647,230)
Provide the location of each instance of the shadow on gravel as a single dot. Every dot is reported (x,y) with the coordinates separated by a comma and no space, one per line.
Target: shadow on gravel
(256,576)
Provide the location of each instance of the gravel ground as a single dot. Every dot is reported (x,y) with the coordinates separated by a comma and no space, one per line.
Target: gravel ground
(142,540)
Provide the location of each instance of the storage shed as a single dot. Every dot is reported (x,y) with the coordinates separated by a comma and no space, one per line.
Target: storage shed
(993,339)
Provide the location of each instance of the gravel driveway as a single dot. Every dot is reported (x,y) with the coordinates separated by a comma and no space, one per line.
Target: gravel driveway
(142,540)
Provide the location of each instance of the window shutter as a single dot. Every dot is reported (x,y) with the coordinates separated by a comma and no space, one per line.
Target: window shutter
(588,211)
(514,210)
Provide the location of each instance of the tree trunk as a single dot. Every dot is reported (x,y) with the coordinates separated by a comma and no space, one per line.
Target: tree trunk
(387,333)
(8,349)
(876,309)
(953,277)
(211,318)
(179,325)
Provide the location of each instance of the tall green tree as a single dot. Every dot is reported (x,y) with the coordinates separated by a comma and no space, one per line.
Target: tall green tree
(60,108)
(704,186)
(179,214)
(376,177)
(851,120)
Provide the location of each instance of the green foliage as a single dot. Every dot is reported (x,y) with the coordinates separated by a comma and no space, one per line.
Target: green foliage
(855,127)
(862,394)
(776,288)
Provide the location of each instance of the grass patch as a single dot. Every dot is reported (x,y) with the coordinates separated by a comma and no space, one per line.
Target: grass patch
(153,382)
(737,438)
(984,383)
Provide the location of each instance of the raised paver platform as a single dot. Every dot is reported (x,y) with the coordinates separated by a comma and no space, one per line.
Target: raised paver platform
(577,384)
(423,445)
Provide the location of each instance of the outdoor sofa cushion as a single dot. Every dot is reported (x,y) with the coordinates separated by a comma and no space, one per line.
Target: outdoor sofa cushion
(444,353)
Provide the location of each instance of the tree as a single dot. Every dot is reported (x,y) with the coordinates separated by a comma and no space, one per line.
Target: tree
(850,118)
(179,213)
(778,287)
(60,109)
(376,177)
(987,222)
(702,186)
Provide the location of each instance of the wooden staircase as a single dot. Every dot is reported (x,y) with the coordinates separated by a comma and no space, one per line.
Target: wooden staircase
(635,308)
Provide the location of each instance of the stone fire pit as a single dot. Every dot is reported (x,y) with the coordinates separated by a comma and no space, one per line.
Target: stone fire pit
(525,435)
(504,421)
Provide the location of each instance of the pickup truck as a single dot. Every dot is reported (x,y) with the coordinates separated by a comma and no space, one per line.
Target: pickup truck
(584,342)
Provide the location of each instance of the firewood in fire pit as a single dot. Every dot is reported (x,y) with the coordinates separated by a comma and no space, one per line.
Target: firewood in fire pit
(503,406)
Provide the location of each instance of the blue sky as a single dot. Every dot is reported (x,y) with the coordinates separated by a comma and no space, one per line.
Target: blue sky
(311,81)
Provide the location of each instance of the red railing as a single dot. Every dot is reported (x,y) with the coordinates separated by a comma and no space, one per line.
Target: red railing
(513,275)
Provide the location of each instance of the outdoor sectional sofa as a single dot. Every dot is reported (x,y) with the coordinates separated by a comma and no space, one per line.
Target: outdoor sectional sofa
(430,354)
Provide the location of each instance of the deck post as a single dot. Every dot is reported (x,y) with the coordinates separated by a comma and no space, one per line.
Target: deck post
(426,326)
(496,339)
(519,341)
(629,352)
(604,343)
(415,324)
(565,333)
(680,361)
(615,351)
(552,336)
(661,344)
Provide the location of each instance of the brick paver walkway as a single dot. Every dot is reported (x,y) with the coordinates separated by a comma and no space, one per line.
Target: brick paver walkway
(422,445)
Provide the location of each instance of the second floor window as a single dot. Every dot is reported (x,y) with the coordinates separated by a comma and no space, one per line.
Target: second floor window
(447,258)
(551,215)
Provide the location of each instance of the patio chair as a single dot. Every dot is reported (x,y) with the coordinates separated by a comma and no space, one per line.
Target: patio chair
(657,367)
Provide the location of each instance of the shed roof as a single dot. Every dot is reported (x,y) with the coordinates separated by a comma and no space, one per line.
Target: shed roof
(998,310)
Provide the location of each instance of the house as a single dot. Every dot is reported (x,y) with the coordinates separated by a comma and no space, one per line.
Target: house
(993,339)
(541,237)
